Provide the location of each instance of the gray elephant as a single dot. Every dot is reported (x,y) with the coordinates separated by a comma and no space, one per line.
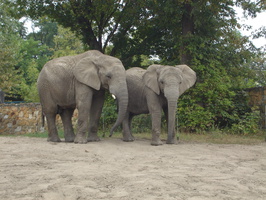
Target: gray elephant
(80,82)
(153,90)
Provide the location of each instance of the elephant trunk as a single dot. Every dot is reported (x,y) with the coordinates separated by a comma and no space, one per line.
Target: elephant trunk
(172,105)
(172,95)
(122,98)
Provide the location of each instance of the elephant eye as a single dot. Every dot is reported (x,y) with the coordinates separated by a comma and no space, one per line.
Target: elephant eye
(109,76)
(162,82)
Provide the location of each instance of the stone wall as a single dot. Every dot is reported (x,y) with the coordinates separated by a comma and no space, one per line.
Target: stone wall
(23,118)
(20,118)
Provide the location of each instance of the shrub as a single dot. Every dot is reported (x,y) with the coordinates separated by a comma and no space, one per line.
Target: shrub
(247,124)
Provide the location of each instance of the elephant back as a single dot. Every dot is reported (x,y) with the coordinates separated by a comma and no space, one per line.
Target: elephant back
(135,72)
(134,77)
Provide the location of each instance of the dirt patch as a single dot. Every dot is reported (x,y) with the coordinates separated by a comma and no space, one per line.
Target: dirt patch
(32,168)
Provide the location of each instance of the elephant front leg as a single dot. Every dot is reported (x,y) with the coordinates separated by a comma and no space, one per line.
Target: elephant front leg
(171,139)
(84,107)
(156,128)
(82,128)
(95,115)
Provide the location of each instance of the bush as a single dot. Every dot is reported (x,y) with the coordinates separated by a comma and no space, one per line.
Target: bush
(109,113)
(194,118)
(247,124)
(141,124)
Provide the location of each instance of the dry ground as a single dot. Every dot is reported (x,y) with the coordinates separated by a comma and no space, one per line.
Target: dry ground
(31,168)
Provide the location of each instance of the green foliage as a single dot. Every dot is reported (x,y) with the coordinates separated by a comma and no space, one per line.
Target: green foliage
(31,51)
(109,113)
(32,56)
(247,123)
(44,30)
(28,88)
(222,63)
(23,56)
(193,117)
(141,124)
(9,42)
(66,43)
(93,20)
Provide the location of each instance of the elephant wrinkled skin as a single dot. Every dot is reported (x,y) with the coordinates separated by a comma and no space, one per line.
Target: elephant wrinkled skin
(79,82)
(153,90)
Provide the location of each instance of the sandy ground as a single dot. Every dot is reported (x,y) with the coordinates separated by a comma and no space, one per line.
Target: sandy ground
(31,168)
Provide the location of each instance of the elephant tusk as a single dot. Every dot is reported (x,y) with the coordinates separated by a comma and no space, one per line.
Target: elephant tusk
(114,97)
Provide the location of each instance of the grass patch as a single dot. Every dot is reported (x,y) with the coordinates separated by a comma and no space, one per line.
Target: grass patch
(36,134)
(210,137)
(222,138)
(45,134)
(214,137)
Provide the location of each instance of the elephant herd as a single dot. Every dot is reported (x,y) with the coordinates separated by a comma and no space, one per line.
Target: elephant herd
(80,81)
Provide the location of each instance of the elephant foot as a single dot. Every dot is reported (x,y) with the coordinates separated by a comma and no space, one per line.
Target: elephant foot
(93,138)
(171,141)
(156,142)
(69,138)
(53,139)
(128,139)
(80,140)
(127,136)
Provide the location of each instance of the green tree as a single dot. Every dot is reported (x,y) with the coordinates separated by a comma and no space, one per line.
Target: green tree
(66,43)
(221,57)
(35,54)
(108,26)
(44,30)
(28,87)
(95,21)
(204,35)
(9,42)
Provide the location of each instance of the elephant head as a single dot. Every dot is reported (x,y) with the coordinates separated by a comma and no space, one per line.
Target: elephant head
(171,82)
(101,71)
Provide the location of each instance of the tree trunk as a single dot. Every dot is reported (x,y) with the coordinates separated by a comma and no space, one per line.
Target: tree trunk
(187,32)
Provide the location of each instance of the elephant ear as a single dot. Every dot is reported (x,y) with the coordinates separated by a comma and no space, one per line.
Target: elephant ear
(189,78)
(86,72)
(150,78)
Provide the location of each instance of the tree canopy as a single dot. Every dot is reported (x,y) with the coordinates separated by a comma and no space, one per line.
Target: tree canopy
(9,40)
(130,28)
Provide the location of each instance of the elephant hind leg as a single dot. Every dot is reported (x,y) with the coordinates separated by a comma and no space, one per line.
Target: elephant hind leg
(66,116)
(52,130)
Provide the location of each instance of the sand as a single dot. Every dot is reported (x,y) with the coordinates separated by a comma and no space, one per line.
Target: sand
(32,168)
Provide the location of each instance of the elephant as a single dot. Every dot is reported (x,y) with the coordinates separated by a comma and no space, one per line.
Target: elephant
(153,90)
(80,81)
